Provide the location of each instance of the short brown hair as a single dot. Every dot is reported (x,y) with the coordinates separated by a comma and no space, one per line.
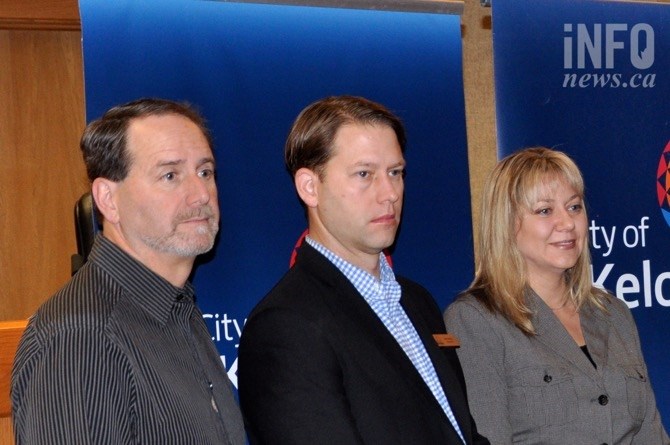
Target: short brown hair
(310,141)
(104,141)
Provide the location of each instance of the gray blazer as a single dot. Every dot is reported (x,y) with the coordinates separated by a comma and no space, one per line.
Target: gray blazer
(543,389)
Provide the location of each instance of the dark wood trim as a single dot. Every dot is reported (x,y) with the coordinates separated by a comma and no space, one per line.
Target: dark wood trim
(54,15)
(40,25)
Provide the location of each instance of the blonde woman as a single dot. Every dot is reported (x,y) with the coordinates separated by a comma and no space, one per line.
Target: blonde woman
(548,358)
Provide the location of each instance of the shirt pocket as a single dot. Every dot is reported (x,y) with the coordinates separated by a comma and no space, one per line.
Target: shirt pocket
(541,396)
(636,391)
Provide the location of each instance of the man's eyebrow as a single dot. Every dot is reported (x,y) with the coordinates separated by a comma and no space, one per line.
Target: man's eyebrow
(376,164)
(169,162)
(207,160)
(365,164)
(172,162)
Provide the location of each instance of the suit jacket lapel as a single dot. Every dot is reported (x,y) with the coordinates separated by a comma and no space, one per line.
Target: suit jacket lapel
(451,384)
(366,328)
(550,332)
(595,326)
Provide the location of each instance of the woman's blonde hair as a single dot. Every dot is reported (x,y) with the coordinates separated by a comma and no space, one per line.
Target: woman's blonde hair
(513,187)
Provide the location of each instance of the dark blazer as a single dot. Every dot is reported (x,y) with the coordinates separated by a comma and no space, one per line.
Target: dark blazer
(317,366)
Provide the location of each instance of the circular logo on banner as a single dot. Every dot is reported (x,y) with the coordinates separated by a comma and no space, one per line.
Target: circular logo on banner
(663,183)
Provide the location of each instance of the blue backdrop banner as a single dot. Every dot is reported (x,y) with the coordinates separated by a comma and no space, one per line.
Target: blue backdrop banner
(250,69)
(591,78)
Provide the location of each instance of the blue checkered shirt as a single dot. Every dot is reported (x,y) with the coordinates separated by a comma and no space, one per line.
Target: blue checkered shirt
(383,296)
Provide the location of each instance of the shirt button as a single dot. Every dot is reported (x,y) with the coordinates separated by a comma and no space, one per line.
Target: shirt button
(547,378)
(603,400)
(180,297)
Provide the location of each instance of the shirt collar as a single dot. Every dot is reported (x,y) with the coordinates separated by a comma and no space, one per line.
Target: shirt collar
(155,294)
(365,283)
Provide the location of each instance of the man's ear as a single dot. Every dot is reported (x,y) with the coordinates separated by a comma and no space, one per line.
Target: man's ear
(306,184)
(104,194)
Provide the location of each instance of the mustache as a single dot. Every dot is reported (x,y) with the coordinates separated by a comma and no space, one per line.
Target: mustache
(202,212)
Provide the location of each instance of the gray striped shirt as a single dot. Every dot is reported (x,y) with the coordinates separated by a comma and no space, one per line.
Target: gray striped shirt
(121,356)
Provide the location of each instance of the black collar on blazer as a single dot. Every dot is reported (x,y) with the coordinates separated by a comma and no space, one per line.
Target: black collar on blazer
(368,329)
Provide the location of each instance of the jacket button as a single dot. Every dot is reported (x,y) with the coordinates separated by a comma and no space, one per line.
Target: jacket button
(547,378)
(603,400)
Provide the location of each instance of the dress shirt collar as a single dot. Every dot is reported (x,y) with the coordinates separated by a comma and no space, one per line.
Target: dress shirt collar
(385,291)
(156,295)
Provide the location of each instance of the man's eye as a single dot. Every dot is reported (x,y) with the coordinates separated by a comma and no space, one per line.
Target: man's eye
(207,173)
(169,176)
(363,174)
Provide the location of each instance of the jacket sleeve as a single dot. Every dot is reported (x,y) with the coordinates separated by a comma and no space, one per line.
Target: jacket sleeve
(290,383)
(652,430)
(481,355)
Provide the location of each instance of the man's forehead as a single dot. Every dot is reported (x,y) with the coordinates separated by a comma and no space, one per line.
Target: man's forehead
(359,134)
(158,124)
(363,127)
(158,141)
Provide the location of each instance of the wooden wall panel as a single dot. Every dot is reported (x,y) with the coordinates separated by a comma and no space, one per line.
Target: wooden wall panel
(10,333)
(479,99)
(6,431)
(41,171)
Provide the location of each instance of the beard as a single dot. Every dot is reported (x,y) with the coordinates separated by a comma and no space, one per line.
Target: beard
(187,244)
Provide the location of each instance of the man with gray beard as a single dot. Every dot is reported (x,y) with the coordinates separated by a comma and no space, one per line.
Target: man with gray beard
(121,355)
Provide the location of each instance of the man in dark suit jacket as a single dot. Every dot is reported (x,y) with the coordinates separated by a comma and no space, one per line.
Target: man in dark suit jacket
(342,351)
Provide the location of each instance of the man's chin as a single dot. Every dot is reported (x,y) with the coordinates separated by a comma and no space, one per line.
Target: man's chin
(385,242)
(204,246)
(190,251)
(190,245)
